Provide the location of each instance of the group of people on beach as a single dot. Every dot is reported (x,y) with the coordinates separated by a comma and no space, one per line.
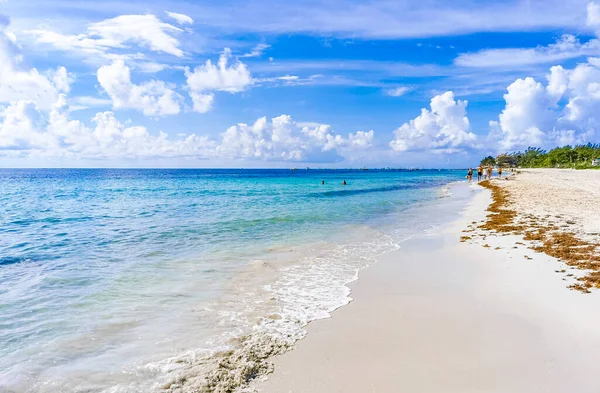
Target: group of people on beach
(483,173)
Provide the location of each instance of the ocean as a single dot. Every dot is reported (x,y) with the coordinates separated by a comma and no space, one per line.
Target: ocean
(173,280)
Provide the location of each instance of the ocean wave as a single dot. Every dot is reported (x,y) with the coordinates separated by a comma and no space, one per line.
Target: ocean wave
(271,319)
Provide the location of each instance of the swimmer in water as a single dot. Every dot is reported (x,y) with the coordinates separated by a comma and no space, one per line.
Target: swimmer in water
(344,183)
(322,181)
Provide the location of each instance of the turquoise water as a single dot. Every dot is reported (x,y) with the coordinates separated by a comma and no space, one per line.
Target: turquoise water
(105,271)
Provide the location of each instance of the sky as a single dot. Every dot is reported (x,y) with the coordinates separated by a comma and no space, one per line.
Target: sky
(402,83)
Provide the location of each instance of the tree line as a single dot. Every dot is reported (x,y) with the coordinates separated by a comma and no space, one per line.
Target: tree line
(580,156)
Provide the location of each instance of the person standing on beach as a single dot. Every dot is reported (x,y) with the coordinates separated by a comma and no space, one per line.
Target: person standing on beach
(499,171)
(470,175)
(490,169)
(479,173)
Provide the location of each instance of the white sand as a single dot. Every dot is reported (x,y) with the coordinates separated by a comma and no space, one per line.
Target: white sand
(444,316)
(566,197)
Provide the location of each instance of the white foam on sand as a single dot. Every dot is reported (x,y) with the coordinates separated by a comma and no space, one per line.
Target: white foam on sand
(270,309)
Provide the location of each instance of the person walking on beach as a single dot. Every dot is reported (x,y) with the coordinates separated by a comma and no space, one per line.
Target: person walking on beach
(479,173)
(499,171)
(490,169)
(470,175)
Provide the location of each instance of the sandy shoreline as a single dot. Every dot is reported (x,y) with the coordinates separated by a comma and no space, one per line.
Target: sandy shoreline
(556,213)
(444,316)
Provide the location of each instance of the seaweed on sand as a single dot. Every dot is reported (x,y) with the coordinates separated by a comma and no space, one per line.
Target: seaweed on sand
(548,239)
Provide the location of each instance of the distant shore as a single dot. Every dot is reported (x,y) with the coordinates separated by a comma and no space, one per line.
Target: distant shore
(470,306)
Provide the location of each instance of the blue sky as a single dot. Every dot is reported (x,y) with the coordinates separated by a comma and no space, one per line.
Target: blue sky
(341,83)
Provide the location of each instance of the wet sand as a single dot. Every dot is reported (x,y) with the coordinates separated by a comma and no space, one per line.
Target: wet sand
(441,315)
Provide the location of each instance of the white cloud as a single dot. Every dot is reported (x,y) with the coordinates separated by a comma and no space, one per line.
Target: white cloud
(149,66)
(593,15)
(61,79)
(388,20)
(361,139)
(398,91)
(207,78)
(445,128)
(220,77)
(527,111)
(20,83)
(153,98)
(118,33)
(323,136)
(257,51)
(202,102)
(147,30)
(567,47)
(19,122)
(182,19)
(566,111)
(282,139)
(27,131)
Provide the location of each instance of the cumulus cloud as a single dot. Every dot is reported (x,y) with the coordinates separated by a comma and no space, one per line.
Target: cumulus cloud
(182,19)
(445,128)
(25,130)
(282,139)
(527,111)
(323,136)
(232,78)
(209,77)
(565,111)
(153,98)
(146,31)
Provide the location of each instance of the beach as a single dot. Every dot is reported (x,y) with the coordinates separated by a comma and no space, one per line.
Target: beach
(463,308)
(163,280)
(210,281)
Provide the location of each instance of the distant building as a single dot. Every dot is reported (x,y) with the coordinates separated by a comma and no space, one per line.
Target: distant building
(596,162)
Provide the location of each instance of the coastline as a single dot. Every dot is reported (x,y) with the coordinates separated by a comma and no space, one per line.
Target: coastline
(183,290)
(282,317)
(441,315)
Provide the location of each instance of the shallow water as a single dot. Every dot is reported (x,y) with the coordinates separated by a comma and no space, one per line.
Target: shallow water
(126,280)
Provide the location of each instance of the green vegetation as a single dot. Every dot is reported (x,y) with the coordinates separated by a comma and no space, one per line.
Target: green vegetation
(488,161)
(579,157)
